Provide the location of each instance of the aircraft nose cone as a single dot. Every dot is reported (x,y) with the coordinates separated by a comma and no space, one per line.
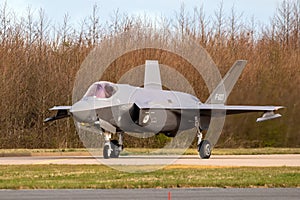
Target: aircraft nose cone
(84,112)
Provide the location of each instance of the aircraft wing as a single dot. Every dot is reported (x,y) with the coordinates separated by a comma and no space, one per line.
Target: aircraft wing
(268,111)
(219,110)
(232,109)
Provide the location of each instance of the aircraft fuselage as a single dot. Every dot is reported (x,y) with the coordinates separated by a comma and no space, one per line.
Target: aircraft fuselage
(135,109)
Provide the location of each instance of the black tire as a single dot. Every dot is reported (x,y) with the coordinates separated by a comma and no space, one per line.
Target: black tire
(204,149)
(115,149)
(105,152)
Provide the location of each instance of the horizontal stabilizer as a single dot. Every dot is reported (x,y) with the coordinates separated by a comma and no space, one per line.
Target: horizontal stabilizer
(61,108)
(62,112)
(222,91)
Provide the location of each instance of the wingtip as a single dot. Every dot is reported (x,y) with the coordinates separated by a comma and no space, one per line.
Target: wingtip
(279,107)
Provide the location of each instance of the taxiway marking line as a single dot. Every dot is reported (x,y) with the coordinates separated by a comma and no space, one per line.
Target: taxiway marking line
(52,161)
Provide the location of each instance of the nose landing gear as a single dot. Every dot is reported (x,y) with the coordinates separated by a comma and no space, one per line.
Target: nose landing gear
(112,149)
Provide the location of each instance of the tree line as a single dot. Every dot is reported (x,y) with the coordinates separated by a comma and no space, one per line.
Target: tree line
(39,62)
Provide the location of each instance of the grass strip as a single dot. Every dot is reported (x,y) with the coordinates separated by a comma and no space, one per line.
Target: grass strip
(95,176)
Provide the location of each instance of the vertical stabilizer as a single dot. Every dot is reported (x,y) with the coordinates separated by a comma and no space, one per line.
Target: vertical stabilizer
(222,91)
(152,78)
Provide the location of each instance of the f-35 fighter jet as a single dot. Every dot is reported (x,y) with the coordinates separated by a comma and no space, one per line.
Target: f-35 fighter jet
(119,108)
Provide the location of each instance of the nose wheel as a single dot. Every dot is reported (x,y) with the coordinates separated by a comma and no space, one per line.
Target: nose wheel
(106,151)
(112,149)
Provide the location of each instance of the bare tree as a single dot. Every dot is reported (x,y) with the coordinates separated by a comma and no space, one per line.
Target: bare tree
(115,19)
(283,22)
(5,19)
(235,25)
(65,31)
(94,29)
(296,24)
(182,21)
(29,27)
(203,24)
(219,24)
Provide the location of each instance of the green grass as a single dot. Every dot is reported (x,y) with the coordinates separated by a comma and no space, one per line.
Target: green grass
(43,152)
(99,176)
(147,151)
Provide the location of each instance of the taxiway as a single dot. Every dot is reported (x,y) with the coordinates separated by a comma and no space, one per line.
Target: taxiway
(224,160)
(153,194)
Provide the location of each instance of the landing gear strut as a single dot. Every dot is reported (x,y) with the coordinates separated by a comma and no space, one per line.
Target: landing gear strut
(112,149)
(204,146)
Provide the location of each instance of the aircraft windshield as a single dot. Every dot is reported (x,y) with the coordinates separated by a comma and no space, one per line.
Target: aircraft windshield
(101,90)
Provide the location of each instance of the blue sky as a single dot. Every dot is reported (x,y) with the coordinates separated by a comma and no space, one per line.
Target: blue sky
(261,10)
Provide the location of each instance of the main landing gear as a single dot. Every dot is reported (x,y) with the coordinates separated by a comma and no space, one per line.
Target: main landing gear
(112,148)
(203,146)
(204,149)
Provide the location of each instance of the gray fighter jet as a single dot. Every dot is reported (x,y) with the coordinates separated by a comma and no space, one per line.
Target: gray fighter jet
(119,108)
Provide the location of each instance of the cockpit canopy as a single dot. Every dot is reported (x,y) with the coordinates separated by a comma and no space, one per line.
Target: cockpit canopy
(101,90)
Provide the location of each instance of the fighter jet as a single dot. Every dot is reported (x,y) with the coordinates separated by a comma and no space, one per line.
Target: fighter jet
(119,108)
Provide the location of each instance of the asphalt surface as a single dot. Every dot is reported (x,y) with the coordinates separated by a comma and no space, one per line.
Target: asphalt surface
(149,194)
(226,160)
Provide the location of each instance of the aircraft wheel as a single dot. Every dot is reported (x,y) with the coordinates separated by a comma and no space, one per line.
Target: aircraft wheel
(204,149)
(106,152)
(115,149)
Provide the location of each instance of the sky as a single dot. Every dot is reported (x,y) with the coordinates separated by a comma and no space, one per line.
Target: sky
(261,10)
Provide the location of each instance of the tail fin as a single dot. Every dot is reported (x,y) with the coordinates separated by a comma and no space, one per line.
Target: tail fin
(222,91)
(152,78)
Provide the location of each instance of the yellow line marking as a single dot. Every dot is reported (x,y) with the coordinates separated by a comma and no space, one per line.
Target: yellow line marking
(49,161)
(176,166)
